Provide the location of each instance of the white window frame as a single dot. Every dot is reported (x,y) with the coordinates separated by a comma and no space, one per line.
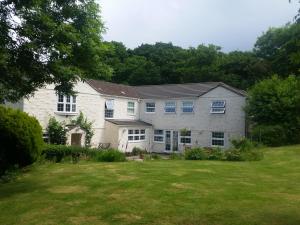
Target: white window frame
(183,107)
(64,100)
(170,105)
(136,135)
(152,107)
(108,107)
(218,108)
(131,108)
(159,135)
(186,137)
(217,139)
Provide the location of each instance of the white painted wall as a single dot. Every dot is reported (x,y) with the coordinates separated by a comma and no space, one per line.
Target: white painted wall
(201,122)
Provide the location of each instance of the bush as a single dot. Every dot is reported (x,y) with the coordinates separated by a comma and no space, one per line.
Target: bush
(243,150)
(57,132)
(214,153)
(138,151)
(58,153)
(20,137)
(110,155)
(271,135)
(176,156)
(195,154)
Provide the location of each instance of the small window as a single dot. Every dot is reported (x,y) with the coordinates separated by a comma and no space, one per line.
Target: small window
(136,135)
(150,107)
(187,106)
(130,107)
(109,108)
(158,136)
(218,107)
(186,137)
(170,107)
(218,139)
(66,104)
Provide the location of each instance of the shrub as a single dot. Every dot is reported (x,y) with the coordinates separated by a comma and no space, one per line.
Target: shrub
(57,132)
(195,154)
(20,138)
(214,153)
(110,155)
(243,150)
(138,151)
(271,135)
(59,153)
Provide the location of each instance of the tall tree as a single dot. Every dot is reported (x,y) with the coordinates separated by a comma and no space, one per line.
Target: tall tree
(281,48)
(49,41)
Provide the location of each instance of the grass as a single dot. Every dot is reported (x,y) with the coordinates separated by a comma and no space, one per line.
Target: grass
(158,192)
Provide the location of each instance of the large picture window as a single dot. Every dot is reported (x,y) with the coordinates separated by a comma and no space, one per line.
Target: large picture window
(66,104)
(109,108)
(136,135)
(218,107)
(186,137)
(158,136)
(217,139)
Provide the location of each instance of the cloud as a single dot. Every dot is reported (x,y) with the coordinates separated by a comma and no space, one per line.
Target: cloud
(232,24)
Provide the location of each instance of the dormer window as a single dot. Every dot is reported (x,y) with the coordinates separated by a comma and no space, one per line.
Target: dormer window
(66,104)
(109,108)
(218,107)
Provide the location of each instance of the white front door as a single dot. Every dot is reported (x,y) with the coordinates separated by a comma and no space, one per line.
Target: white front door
(171,140)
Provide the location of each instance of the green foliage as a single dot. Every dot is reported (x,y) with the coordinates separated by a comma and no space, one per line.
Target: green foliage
(57,132)
(214,153)
(59,153)
(56,42)
(85,125)
(280,47)
(243,150)
(138,151)
(110,155)
(20,138)
(195,154)
(275,104)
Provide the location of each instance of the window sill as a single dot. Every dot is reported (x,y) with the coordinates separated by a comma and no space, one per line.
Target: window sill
(66,113)
(159,142)
(136,141)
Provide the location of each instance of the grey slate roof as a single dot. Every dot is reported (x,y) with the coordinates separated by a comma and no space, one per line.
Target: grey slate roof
(132,123)
(159,91)
(108,88)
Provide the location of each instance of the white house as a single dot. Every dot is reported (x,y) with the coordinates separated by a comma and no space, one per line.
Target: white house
(158,118)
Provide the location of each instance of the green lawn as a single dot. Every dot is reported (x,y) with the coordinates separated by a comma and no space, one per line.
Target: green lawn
(158,192)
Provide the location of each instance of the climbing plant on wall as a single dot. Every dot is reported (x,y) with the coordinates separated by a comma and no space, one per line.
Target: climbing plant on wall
(85,125)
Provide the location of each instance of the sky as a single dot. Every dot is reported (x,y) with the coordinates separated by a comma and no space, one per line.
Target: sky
(231,24)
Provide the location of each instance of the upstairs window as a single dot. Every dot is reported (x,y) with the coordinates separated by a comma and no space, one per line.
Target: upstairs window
(158,136)
(109,108)
(187,106)
(170,107)
(130,107)
(136,135)
(66,104)
(186,137)
(217,139)
(218,107)
(150,107)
